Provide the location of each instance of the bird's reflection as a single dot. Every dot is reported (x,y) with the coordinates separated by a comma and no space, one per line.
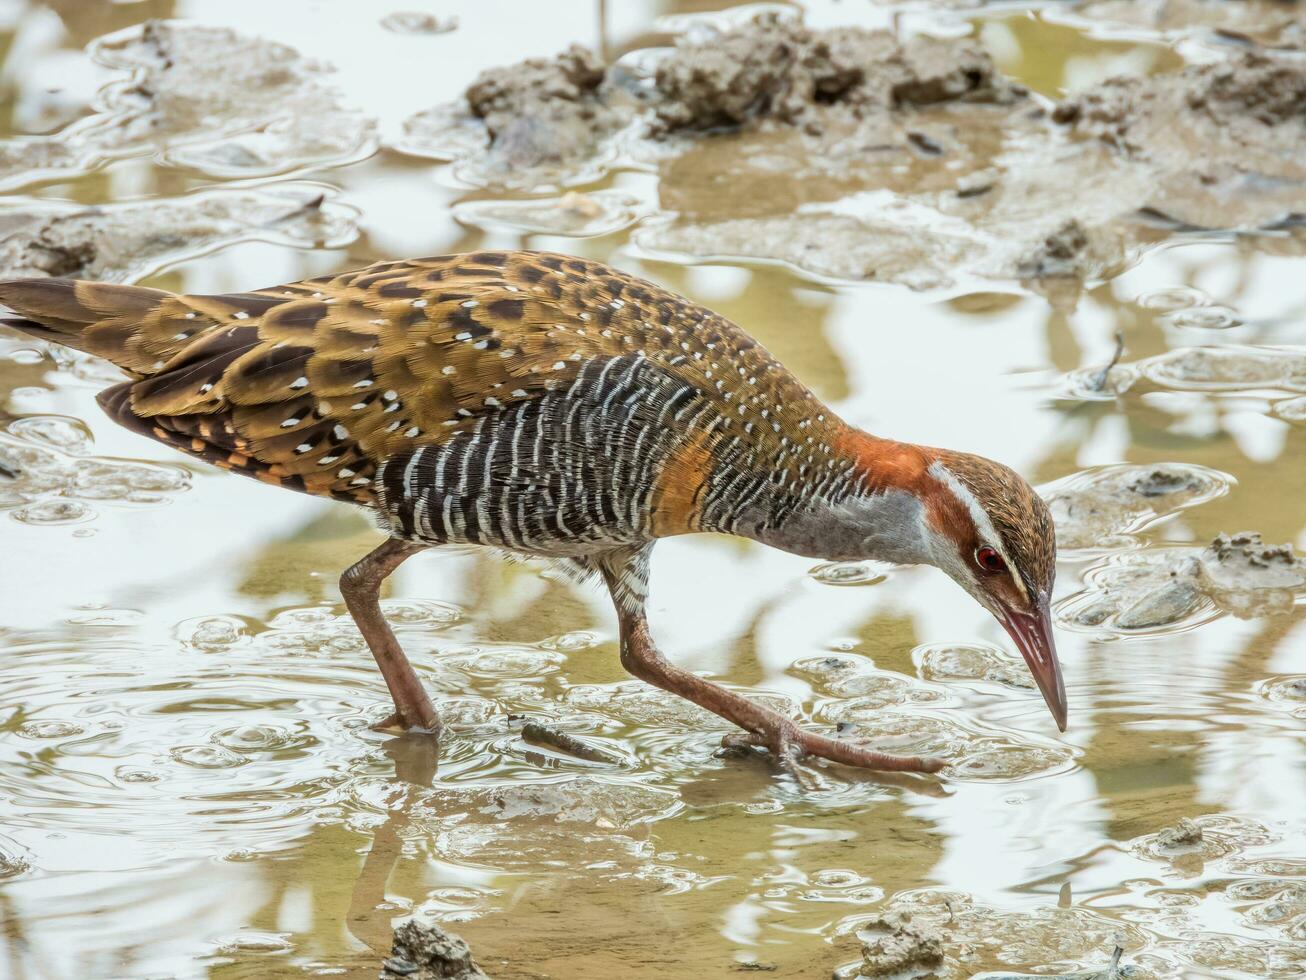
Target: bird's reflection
(416,761)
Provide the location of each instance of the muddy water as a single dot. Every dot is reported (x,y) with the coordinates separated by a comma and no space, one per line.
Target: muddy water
(189,787)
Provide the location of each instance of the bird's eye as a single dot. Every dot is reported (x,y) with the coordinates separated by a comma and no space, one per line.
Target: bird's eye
(989,560)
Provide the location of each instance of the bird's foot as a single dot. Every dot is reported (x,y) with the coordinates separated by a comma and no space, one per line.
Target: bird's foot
(399,722)
(790,745)
(786,752)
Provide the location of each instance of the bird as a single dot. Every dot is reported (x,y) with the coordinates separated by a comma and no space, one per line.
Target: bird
(552,407)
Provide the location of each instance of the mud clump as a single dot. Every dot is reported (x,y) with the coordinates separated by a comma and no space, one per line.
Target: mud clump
(780,69)
(1060,254)
(607,805)
(909,183)
(1183,834)
(424,951)
(1241,561)
(1126,111)
(948,935)
(1161,607)
(853,154)
(1226,368)
(1162,482)
(1236,574)
(904,946)
(1190,845)
(12,865)
(418,22)
(1268,91)
(121,242)
(543,110)
(1212,133)
(1103,508)
(207,98)
(551,120)
(950,662)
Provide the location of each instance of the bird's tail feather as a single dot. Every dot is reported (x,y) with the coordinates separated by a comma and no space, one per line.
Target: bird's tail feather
(105,319)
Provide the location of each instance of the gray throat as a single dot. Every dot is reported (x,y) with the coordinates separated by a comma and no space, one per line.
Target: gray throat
(886,526)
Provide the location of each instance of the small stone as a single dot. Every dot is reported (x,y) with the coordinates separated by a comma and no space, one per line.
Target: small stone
(1164,606)
(425,951)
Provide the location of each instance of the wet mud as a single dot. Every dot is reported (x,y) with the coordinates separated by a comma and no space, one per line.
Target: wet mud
(851,154)
(123,242)
(1199,861)
(949,935)
(1259,23)
(1206,133)
(54,479)
(573,214)
(1183,834)
(890,711)
(584,800)
(981,194)
(1211,369)
(776,68)
(1103,509)
(418,22)
(896,945)
(1173,588)
(1227,368)
(540,122)
(204,98)
(969,662)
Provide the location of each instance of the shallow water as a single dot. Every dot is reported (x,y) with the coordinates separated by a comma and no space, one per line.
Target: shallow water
(188,786)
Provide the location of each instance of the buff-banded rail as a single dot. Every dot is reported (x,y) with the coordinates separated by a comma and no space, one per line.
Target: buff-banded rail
(555,408)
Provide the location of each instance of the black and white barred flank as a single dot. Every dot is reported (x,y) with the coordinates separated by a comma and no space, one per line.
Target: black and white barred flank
(573,471)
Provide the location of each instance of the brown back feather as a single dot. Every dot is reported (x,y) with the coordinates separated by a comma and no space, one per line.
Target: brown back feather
(314,384)
(119,323)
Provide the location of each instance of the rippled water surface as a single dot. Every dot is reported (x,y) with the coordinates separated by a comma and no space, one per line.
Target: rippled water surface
(188,783)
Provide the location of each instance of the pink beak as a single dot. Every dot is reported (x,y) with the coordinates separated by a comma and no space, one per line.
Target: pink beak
(1033,637)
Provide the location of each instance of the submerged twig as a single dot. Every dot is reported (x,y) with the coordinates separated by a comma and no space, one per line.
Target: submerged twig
(1113,971)
(1098,381)
(549,737)
(9,470)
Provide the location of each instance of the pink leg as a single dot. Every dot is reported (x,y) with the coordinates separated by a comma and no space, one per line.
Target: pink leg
(762,726)
(361,587)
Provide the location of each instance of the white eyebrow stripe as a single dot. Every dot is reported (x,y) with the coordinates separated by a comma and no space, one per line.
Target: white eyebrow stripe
(987,532)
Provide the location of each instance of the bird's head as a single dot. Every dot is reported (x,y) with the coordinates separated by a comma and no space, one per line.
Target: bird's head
(975,519)
(987,528)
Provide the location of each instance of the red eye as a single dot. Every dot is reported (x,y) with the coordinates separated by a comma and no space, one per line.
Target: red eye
(990,560)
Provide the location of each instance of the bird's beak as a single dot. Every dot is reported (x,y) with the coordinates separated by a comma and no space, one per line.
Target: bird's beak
(1033,635)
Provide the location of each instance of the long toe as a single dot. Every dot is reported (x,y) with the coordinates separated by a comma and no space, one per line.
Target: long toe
(790,744)
(787,755)
(392,724)
(399,723)
(854,753)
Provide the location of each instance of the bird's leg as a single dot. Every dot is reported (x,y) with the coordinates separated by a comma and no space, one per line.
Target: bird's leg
(626,574)
(361,587)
